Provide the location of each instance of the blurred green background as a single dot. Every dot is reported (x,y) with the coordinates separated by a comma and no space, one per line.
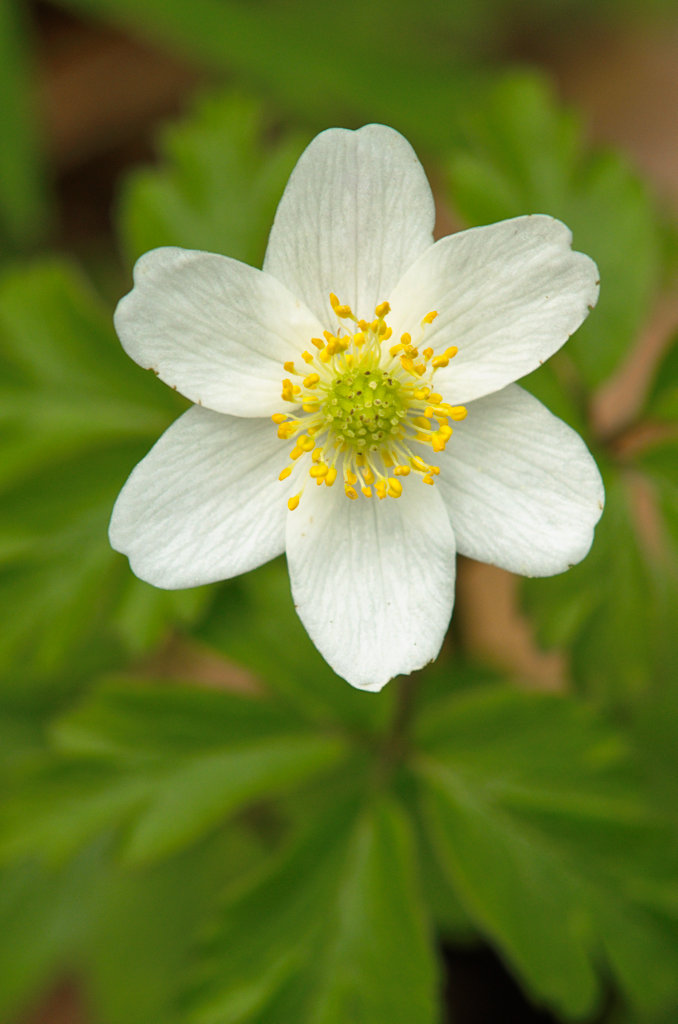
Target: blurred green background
(200,823)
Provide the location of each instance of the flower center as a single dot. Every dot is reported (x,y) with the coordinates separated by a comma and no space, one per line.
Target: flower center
(365,408)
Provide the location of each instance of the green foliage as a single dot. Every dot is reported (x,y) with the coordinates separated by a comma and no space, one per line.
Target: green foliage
(169,763)
(521,154)
(24,205)
(525,816)
(218,188)
(75,416)
(541,824)
(334,948)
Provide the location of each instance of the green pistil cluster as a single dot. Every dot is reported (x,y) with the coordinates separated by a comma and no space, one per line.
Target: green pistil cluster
(363,409)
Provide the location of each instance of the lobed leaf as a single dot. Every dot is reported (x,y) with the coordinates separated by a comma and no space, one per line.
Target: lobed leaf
(540,822)
(334,931)
(138,757)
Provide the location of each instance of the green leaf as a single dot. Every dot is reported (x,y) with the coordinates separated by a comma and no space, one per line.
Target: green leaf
(521,154)
(335,931)
(541,823)
(43,917)
(75,417)
(170,764)
(282,51)
(147,922)
(24,206)
(218,188)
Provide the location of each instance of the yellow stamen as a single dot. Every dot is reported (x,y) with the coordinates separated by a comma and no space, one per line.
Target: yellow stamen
(284,473)
(293,502)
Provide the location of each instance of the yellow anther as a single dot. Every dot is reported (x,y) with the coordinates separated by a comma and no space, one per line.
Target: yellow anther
(401,471)
(421,394)
(419,369)
(310,405)
(341,310)
(451,352)
(317,454)
(439,362)
(350,476)
(307,357)
(368,475)
(293,502)
(406,338)
(380,488)
(382,330)
(317,342)
(305,443)
(325,355)
(296,452)
(387,333)
(363,325)
(367,491)
(289,366)
(421,421)
(284,473)
(382,310)
(457,412)
(428,479)
(350,492)
(359,339)
(428,352)
(331,476)
(445,431)
(395,488)
(430,317)
(279,417)
(407,365)
(435,397)
(311,380)
(438,443)
(286,430)
(419,464)
(395,349)
(319,470)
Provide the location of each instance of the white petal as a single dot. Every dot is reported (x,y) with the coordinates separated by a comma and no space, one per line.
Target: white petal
(507,295)
(215,329)
(521,487)
(373,581)
(356,212)
(205,504)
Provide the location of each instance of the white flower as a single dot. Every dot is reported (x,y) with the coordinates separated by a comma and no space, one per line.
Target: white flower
(360,339)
